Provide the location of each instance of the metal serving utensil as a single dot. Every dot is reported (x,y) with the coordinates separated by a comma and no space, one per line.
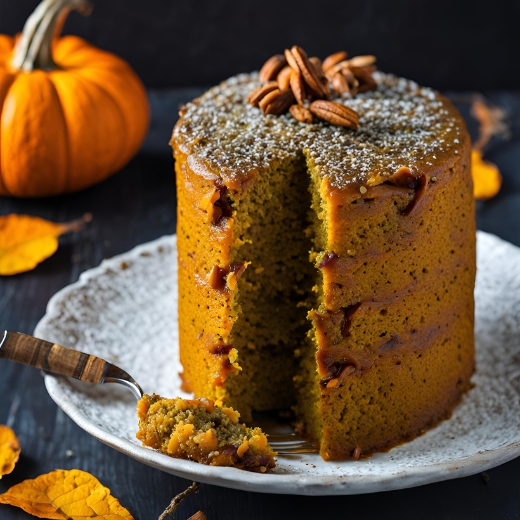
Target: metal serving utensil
(65,361)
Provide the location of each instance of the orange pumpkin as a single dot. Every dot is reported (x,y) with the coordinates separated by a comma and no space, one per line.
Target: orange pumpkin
(70,114)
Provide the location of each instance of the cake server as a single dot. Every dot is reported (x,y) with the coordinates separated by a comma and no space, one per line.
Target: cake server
(64,361)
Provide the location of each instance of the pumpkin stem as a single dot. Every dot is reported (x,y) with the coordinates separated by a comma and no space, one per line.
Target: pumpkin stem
(34,47)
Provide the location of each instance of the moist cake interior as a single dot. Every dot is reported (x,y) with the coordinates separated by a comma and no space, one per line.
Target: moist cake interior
(273,231)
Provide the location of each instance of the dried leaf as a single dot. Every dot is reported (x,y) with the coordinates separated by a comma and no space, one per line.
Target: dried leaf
(486,177)
(9,450)
(493,121)
(26,241)
(66,495)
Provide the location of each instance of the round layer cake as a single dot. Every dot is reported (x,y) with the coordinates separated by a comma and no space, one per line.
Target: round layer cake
(326,269)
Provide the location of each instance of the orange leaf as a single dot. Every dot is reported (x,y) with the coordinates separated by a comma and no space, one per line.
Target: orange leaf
(486,177)
(66,495)
(9,450)
(26,241)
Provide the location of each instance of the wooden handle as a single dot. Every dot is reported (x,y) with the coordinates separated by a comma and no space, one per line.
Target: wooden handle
(51,357)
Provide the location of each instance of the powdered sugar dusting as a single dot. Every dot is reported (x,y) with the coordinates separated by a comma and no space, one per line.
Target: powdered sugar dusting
(400,124)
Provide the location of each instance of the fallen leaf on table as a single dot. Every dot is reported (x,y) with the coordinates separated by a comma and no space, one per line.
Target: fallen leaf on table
(9,450)
(493,121)
(66,495)
(26,241)
(486,177)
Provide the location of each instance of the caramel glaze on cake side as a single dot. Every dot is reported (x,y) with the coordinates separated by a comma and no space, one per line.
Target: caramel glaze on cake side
(371,336)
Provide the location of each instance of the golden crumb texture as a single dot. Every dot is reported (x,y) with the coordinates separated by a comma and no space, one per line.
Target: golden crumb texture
(201,431)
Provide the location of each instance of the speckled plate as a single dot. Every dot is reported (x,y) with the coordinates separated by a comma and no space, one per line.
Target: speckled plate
(125,311)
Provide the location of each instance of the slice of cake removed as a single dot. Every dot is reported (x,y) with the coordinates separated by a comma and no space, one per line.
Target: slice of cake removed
(201,431)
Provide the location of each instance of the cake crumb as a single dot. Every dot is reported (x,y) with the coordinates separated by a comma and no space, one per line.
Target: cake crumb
(202,431)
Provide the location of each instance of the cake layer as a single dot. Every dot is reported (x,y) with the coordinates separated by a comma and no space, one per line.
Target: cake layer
(369,234)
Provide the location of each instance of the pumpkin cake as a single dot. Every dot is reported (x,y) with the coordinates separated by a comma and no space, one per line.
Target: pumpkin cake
(327,260)
(200,431)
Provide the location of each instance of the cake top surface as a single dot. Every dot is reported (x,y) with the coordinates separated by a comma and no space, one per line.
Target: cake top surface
(400,125)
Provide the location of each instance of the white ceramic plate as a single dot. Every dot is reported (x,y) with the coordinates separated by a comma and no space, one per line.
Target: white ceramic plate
(125,311)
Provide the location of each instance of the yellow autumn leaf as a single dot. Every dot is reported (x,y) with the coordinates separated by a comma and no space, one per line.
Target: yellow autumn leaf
(9,450)
(26,241)
(486,177)
(66,495)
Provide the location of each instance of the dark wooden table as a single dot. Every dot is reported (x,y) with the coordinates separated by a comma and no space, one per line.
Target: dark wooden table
(138,205)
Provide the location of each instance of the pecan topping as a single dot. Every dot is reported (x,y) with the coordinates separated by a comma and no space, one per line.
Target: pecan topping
(269,98)
(334,59)
(308,71)
(272,67)
(300,113)
(297,86)
(365,79)
(284,77)
(291,60)
(316,63)
(279,103)
(362,61)
(295,76)
(339,83)
(258,94)
(334,113)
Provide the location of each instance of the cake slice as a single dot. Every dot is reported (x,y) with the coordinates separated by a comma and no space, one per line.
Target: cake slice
(199,430)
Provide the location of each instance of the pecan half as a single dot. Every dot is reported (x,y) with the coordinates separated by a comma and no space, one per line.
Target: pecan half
(269,98)
(291,61)
(335,113)
(334,59)
(297,86)
(293,80)
(316,62)
(284,77)
(321,75)
(279,103)
(308,71)
(259,93)
(301,114)
(362,61)
(342,67)
(272,67)
(364,76)
(339,84)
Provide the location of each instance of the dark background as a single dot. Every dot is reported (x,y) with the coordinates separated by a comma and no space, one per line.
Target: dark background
(446,44)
